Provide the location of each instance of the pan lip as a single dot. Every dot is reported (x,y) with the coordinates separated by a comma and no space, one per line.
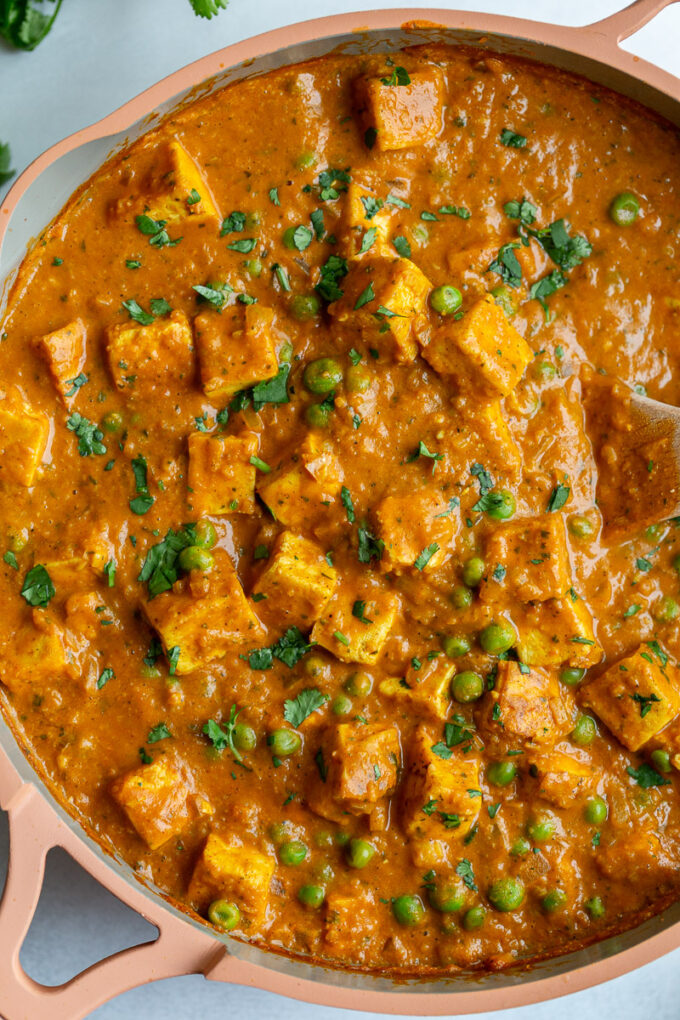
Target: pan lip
(588,43)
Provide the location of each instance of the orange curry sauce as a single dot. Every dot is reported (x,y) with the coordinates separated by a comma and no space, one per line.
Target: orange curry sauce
(338,652)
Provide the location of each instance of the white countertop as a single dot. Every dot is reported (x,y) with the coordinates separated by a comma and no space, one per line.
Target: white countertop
(99,54)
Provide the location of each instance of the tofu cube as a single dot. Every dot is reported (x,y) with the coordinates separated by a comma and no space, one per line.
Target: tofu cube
(207,622)
(236,348)
(557,631)
(526,707)
(422,691)
(297,582)
(64,351)
(237,873)
(441,798)
(362,764)
(479,434)
(360,215)
(637,696)
(75,574)
(482,351)
(300,491)
(346,636)
(23,441)
(562,779)
(146,359)
(155,799)
(469,267)
(175,182)
(221,477)
(84,615)
(351,918)
(391,294)
(409,525)
(400,116)
(40,652)
(535,557)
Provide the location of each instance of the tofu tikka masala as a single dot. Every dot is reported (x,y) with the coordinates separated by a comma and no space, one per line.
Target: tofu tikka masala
(312,399)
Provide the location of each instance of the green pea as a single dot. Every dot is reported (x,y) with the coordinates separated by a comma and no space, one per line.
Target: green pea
(554,901)
(314,666)
(195,558)
(521,847)
(289,238)
(358,379)
(447,897)
(455,645)
(359,853)
(323,375)
(467,686)
(204,534)
(279,831)
(474,918)
(224,915)
(506,298)
(311,896)
(446,300)
(286,351)
(253,219)
(541,828)
(149,671)
(461,597)
(341,838)
(624,209)
(408,910)
(584,731)
(676,563)
(113,422)
(503,507)
(667,610)
(284,742)
(581,526)
(595,908)
(305,160)
(341,705)
(596,811)
(506,894)
(572,676)
(654,532)
(304,306)
(501,773)
(292,853)
(359,684)
(253,267)
(497,638)
(323,839)
(318,415)
(661,760)
(543,370)
(244,737)
(473,571)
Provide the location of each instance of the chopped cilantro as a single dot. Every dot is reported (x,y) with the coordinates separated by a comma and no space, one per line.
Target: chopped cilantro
(37,588)
(512,140)
(88,434)
(309,700)
(159,732)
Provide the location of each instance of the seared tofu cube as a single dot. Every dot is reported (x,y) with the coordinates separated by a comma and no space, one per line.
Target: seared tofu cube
(175,184)
(561,779)
(534,555)
(441,798)
(363,210)
(236,348)
(479,434)
(469,267)
(557,631)
(297,582)
(204,616)
(300,491)
(383,297)
(411,525)
(400,116)
(64,350)
(641,857)
(23,440)
(362,764)
(75,574)
(637,696)
(526,707)
(423,690)
(349,638)
(482,351)
(238,873)
(221,476)
(146,359)
(155,799)
(351,918)
(39,652)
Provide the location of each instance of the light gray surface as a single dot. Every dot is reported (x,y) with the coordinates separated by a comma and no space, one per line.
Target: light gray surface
(100,54)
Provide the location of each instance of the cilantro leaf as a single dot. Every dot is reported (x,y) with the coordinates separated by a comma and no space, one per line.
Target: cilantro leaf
(289,649)
(366,295)
(234,223)
(399,76)
(5,163)
(358,610)
(521,210)
(295,711)
(37,588)
(346,500)
(159,732)
(567,252)
(334,270)
(159,569)
(371,206)
(88,434)
(646,776)
(512,140)
(507,265)
(214,295)
(423,558)
(104,677)
(222,738)
(208,8)
(464,871)
(558,497)
(369,546)
(401,246)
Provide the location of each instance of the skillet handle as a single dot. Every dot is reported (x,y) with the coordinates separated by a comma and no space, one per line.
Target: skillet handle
(630,20)
(179,949)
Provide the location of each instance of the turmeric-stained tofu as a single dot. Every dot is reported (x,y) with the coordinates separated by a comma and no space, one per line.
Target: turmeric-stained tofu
(479,433)
(84,614)
(204,616)
(361,762)
(238,873)
(155,799)
(482,351)
(351,918)
(534,560)
(297,582)
(556,631)
(424,689)
(526,707)
(235,348)
(23,440)
(383,296)
(64,350)
(75,574)
(38,652)
(354,639)
(399,114)
(303,487)
(441,796)
(364,210)
(410,526)
(179,191)
(146,359)
(221,476)
(561,779)
(637,696)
